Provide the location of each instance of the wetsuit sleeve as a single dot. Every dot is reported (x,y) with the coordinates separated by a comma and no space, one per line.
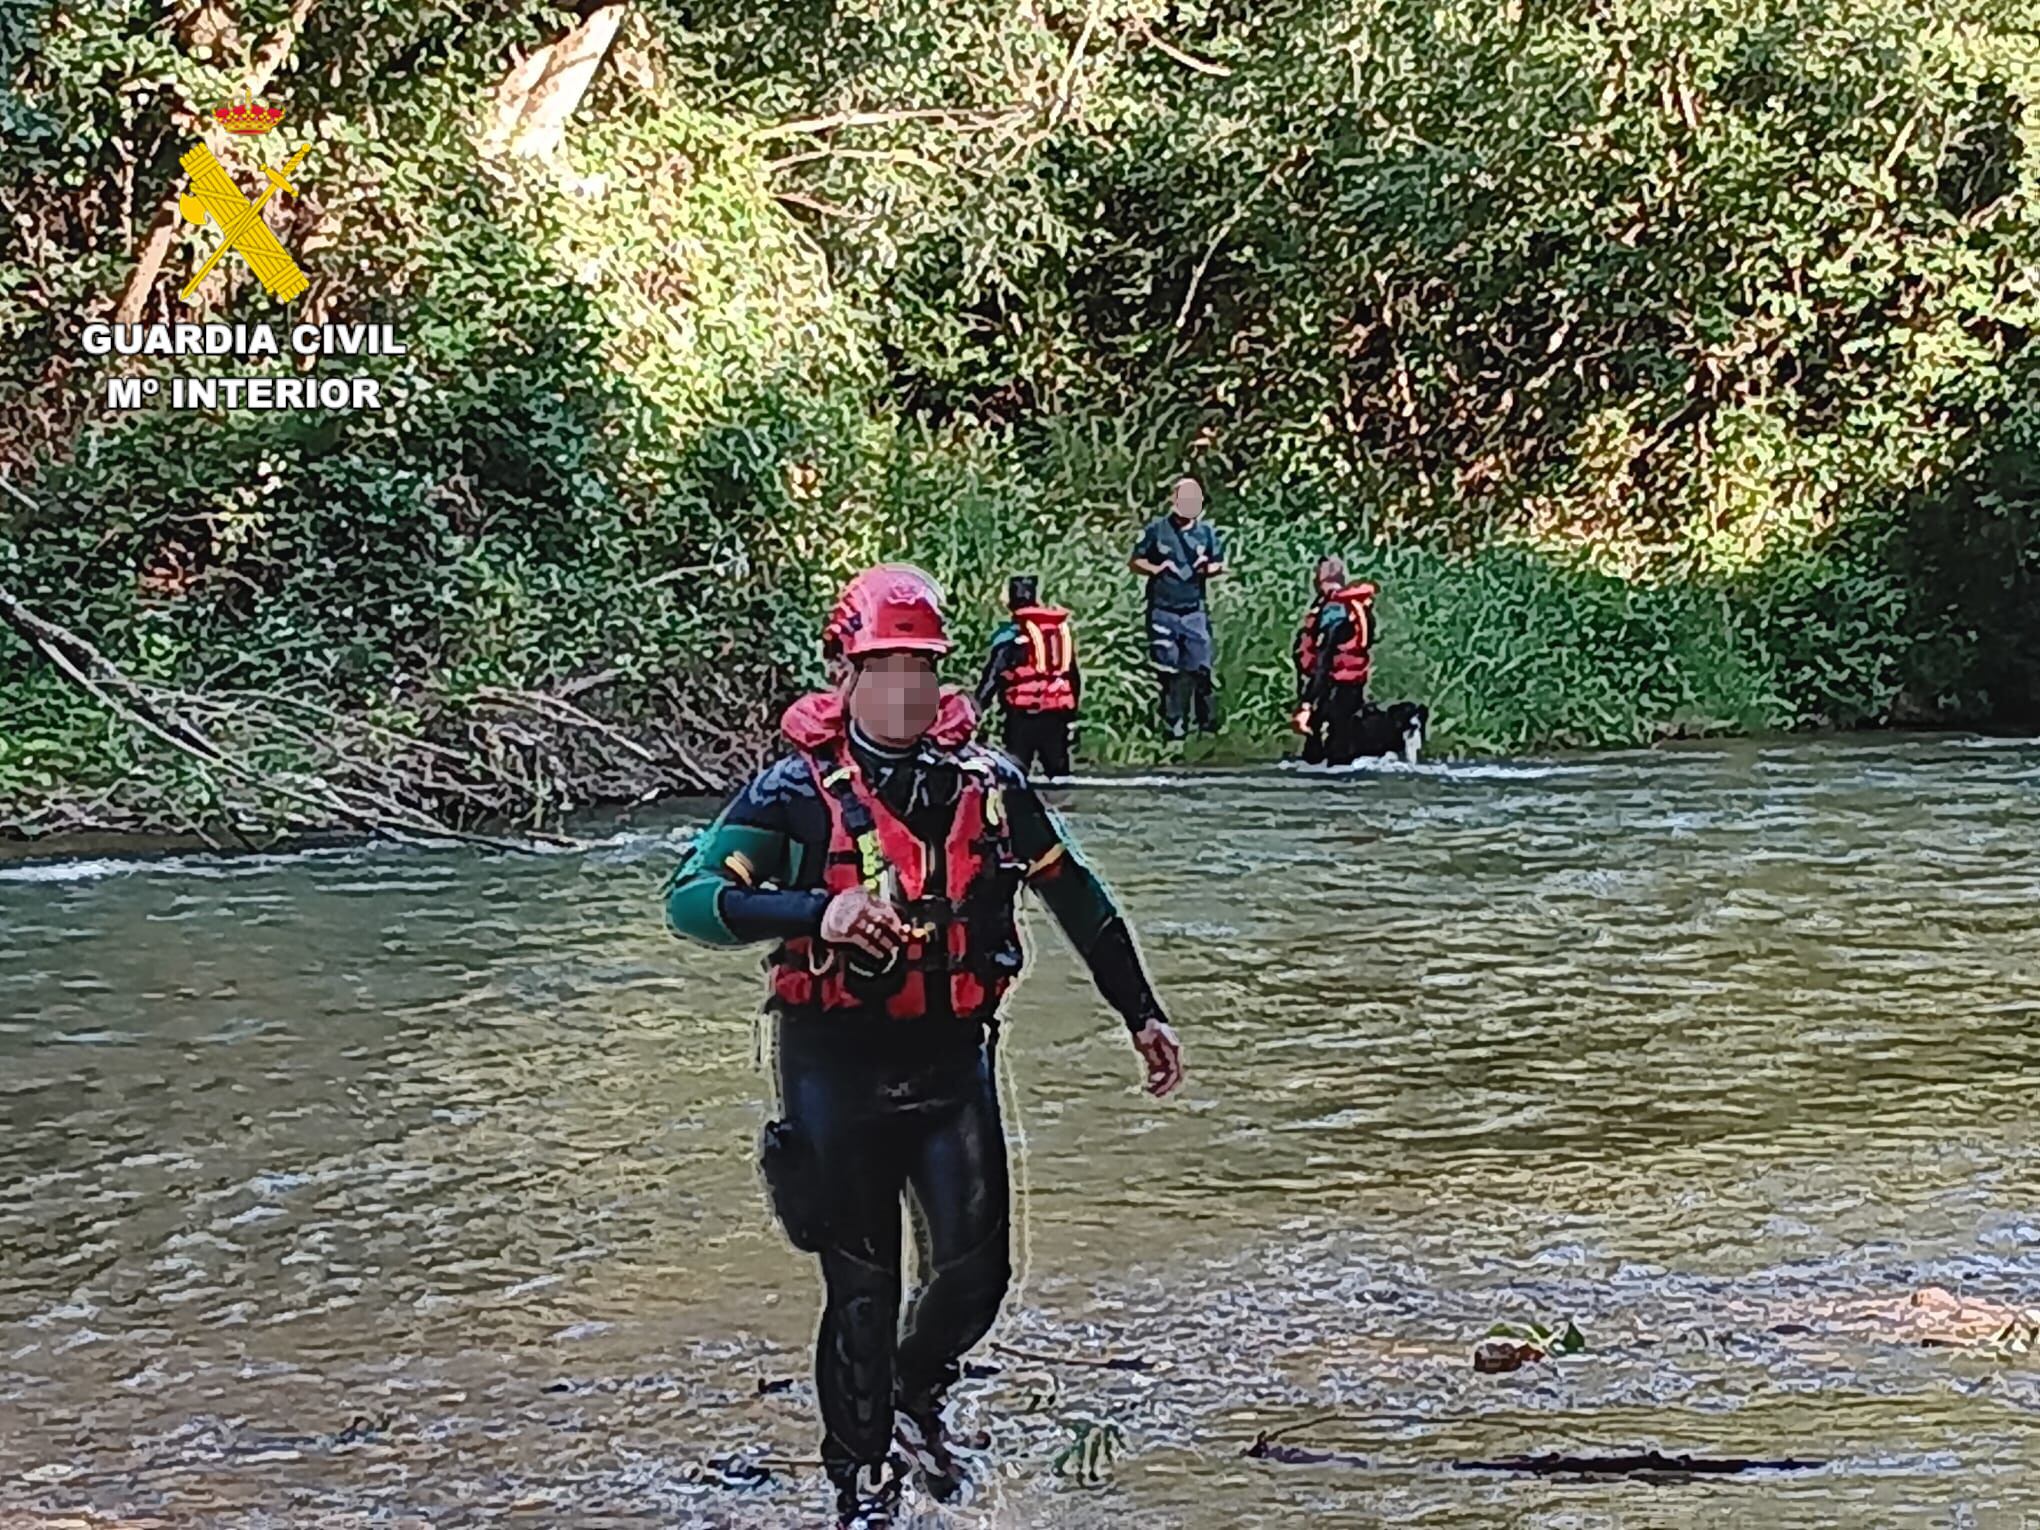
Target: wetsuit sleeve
(1004,655)
(741,880)
(1082,907)
(1076,683)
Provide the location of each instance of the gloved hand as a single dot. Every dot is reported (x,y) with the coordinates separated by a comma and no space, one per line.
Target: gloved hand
(855,918)
(1163,1053)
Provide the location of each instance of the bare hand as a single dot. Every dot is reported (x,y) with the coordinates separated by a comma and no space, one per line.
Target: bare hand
(855,917)
(1163,1054)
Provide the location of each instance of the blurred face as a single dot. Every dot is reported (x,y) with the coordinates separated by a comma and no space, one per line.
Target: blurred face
(1186,503)
(893,697)
(1330,576)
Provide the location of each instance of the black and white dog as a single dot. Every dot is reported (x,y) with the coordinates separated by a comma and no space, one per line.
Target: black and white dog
(1395,731)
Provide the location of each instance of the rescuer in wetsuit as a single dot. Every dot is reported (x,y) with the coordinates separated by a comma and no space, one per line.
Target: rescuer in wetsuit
(884,856)
(1334,657)
(1033,674)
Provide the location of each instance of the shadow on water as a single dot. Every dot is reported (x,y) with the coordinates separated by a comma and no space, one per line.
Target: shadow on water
(370,1183)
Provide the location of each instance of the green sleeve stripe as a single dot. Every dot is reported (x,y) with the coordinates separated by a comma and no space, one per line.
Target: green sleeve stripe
(694,910)
(723,855)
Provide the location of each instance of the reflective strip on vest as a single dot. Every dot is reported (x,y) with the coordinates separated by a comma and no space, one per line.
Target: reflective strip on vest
(887,858)
(1041,682)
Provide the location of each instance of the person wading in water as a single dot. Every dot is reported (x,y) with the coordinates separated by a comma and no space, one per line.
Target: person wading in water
(1033,673)
(1334,657)
(884,856)
(1178,555)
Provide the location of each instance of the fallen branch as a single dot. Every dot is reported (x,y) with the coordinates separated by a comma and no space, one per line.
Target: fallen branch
(888,156)
(1649,1463)
(563,711)
(1197,275)
(101,679)
(964,119)
(1060,108)
(718,568)
(1109,1363)
(826,209)
(587,683)
(1264,1448)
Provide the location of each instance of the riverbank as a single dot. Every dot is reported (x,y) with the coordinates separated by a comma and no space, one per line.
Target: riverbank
(1513,650)
(1201,764)
(1625,461)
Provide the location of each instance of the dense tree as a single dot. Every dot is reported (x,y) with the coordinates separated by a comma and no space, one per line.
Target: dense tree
(1710,319)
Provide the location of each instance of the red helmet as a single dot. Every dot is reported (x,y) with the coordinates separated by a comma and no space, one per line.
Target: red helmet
(888,609)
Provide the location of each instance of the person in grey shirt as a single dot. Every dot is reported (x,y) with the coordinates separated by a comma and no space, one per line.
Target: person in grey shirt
(1179,554)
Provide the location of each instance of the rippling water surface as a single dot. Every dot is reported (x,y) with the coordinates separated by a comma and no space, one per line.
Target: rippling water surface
(401,1187)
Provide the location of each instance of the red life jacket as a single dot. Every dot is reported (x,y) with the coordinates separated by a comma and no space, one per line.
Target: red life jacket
(1353,660)
(968,932)
(1041,682)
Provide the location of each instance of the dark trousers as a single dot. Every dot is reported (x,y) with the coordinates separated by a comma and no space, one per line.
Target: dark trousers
(1335,724)
(896,1112)
(1045,736)
(1188,694)
(1180,648)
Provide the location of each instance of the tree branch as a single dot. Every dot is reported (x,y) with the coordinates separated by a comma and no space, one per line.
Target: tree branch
(1162,46)
(92,672)
(540,96)
(965,119)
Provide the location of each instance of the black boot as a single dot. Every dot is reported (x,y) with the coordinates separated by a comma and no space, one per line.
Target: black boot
(1176,688)
(924,1437)
(866,1496)
(1205,696)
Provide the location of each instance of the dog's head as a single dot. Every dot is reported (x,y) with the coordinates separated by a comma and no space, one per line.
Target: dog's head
(1409,719)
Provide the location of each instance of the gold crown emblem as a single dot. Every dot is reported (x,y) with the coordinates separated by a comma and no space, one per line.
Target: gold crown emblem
(247,118)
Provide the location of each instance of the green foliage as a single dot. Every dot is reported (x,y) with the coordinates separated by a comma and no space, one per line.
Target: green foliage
(1567,1340)
(1666,366)
(1089,1455)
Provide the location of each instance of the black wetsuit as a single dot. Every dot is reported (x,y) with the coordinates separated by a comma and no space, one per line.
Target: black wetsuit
(882,1110)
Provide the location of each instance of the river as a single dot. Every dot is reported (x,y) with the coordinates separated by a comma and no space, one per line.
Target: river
(414,1187)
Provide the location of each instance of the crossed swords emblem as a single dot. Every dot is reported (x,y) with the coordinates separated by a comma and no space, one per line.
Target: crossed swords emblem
(213,194)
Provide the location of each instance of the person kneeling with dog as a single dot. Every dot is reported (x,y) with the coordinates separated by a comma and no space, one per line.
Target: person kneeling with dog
(1334,657)
(1334,660)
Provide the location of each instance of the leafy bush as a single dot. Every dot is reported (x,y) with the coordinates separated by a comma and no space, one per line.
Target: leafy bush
(1668,370)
